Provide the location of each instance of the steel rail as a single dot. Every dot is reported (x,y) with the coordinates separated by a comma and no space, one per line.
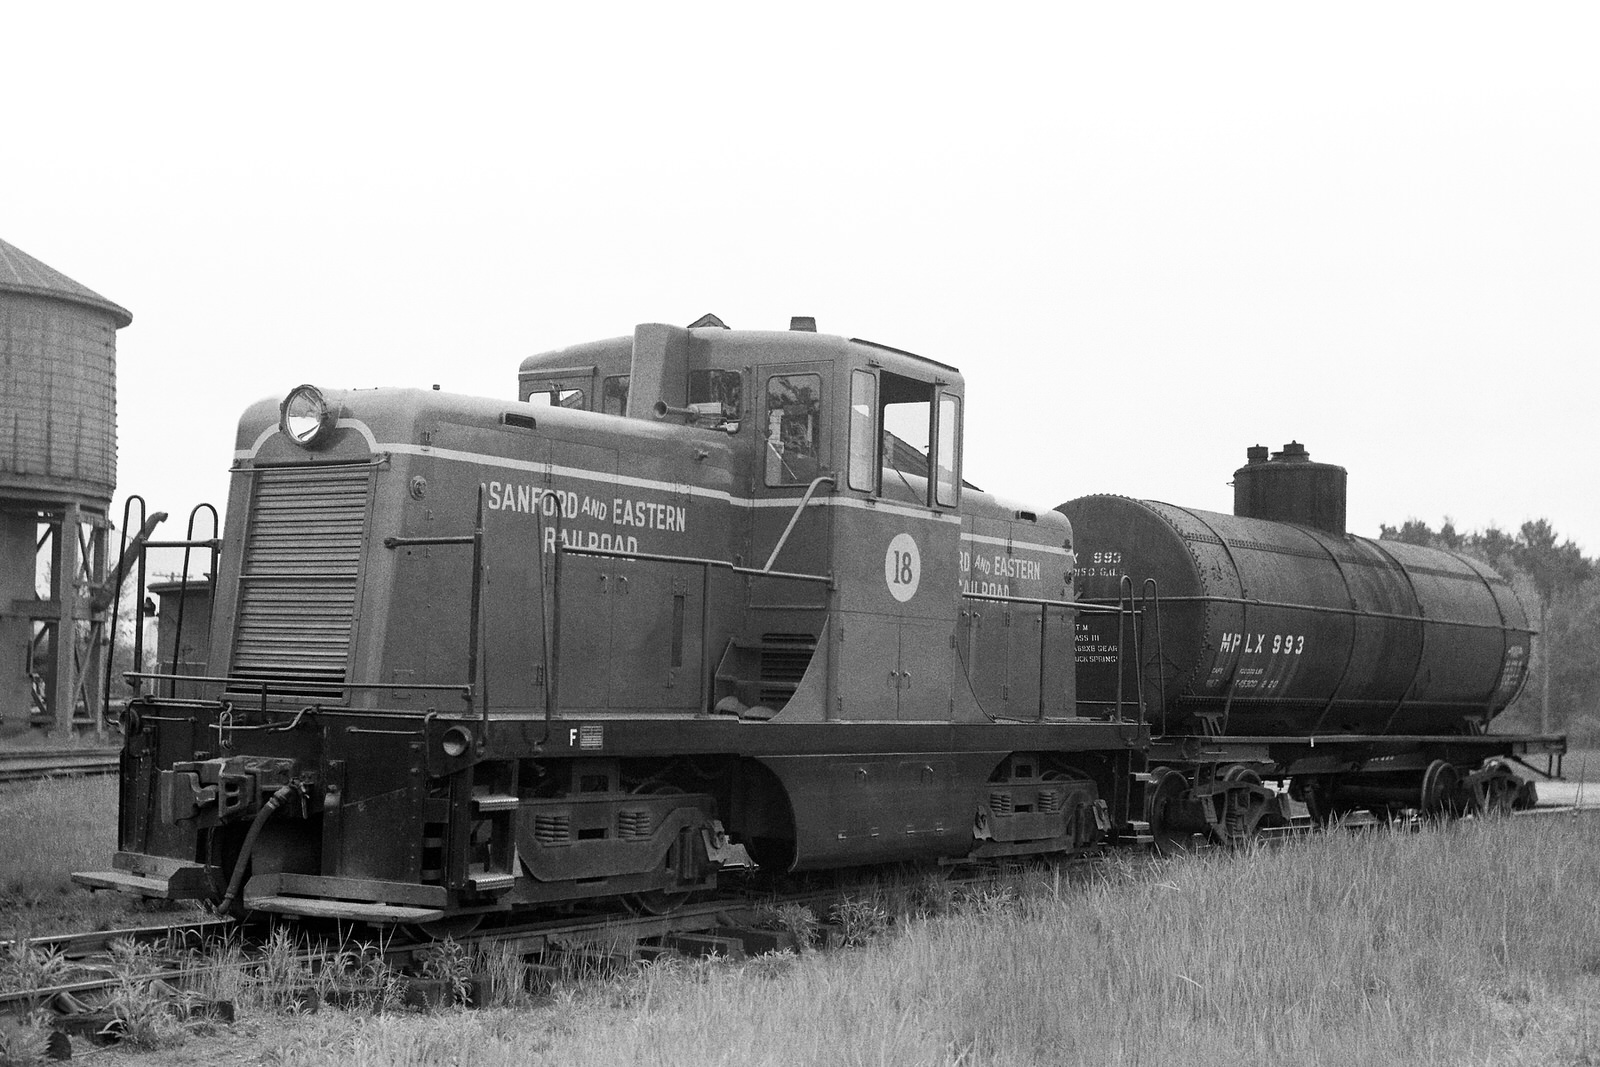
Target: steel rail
(57,763)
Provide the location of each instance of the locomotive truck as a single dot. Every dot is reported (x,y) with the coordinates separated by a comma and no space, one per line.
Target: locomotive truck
(704,600)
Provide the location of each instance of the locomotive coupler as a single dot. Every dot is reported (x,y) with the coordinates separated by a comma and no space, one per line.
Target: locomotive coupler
(212,792)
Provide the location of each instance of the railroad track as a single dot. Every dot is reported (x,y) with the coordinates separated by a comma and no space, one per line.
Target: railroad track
(730,926)
(30,764)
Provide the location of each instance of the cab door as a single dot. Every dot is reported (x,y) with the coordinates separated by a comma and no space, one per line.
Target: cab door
(898,523)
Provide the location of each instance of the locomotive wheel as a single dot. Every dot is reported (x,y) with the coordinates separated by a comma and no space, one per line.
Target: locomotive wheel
(451,927)
(655,901)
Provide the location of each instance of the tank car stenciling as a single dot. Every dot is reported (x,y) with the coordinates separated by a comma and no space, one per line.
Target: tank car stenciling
(702,599)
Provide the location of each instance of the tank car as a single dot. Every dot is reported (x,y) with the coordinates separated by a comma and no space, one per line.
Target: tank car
(698,600)
(1273,644)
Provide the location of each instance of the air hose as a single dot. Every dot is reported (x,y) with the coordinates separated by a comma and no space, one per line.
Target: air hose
(237,881)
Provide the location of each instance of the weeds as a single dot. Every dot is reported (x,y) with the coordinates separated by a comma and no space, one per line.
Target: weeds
(796,920)
(502,975)
(450,963)
(859,922)
(23,1043)
(24,967)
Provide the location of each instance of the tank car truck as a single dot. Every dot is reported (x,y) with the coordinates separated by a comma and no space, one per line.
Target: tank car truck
(1272,648)
(698,600)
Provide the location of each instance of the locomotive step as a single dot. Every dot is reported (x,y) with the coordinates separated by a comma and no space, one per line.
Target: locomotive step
(342,909)
(124,882)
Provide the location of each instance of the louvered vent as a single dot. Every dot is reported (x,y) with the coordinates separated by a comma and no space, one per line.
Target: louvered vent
(297,586)
(784,658)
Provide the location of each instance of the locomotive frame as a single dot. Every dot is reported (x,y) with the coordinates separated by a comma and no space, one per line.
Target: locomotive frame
(700,600)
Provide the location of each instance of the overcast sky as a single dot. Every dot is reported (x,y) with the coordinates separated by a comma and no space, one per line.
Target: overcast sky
(1151,235)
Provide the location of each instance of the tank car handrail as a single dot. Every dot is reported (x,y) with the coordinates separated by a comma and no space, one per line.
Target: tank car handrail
(1317,537)
(1127,617)
(1422,643)
(1150,595)
(1313,608)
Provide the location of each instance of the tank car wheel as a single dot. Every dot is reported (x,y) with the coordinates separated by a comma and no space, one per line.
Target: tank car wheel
(451,927)
(1241,814)
(655,901)
(1163,799)
(1320,795)
(1497,794)
(1441,786)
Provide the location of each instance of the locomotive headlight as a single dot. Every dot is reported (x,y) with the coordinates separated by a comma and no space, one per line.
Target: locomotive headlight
(306,417)
(456,741)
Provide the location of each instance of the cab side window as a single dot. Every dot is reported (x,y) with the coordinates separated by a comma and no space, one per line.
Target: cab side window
(614,394)
(793,428)
(947,485)
(725,387)
(863,431)
(905,412)
(556,397)
(920,454)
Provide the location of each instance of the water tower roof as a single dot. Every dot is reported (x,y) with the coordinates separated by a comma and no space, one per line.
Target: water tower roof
(21,273)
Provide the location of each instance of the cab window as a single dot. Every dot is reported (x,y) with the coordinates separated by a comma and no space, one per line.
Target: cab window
(863,431)
(905,411)
(556,397)
(725,387)
(614,394)
(947,480)
(793,428)
(920,441)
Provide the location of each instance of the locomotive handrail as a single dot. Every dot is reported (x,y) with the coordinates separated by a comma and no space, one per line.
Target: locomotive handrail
(1044,605)
(805,498)
(611,553)
(475,609)
(256,683)
(1037,601)
(214,544)
(146,524)
(705,564)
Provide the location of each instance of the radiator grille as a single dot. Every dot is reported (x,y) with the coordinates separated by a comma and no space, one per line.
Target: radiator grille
(298,578)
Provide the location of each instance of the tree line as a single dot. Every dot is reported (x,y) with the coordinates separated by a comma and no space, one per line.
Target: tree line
(1558,585)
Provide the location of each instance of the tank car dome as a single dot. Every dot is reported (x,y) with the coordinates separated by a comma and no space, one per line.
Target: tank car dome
(58,422)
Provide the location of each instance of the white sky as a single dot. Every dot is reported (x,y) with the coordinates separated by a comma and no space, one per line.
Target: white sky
(1151,235)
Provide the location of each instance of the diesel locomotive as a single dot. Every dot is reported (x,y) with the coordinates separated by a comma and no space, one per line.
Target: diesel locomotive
(706,600)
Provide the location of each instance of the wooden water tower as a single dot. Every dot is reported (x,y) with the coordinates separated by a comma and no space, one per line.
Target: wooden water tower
(58,467)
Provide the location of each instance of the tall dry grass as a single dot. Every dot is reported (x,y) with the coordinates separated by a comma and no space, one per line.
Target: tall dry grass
(48,829)
(52,827)
(1472,944)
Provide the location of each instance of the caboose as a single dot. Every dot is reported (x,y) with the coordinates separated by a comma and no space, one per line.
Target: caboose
(699,600)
